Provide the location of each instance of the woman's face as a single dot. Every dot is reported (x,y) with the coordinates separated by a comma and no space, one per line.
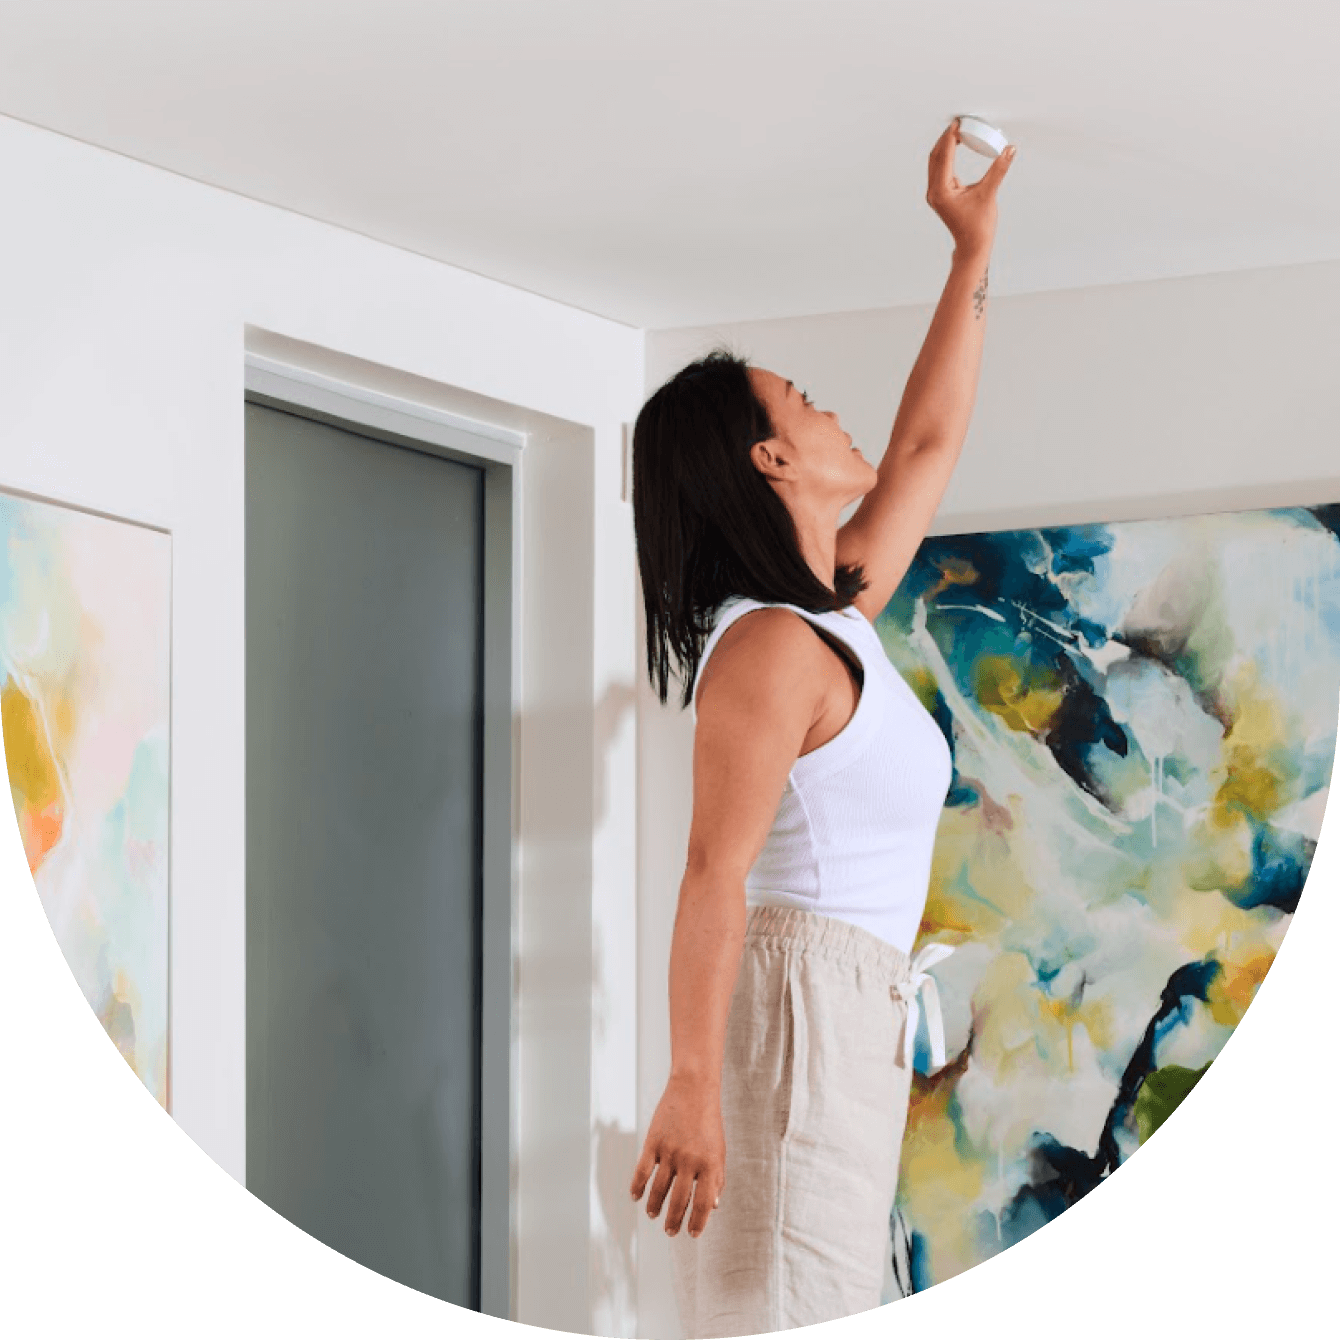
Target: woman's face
(811,449)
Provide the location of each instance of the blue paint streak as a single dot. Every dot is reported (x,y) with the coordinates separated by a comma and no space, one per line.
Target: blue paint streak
(1036,624)
(1280,862)
(1329,516)
(919,1258)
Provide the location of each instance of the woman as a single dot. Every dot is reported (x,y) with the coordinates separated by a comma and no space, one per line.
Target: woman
(818,781)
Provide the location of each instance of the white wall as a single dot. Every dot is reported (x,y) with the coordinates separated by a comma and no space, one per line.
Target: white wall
(128,296)
(1109,403)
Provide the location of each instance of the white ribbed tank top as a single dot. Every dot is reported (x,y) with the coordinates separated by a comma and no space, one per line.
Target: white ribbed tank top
(854,831)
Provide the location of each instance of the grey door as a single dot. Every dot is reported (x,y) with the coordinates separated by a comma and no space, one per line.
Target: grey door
(364,603)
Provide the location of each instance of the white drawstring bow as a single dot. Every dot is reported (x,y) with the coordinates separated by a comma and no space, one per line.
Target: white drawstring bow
(918,983)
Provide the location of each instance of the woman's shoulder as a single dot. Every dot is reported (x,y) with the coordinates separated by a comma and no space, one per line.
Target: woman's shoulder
(766,614)
(734,608)
(773,638)
(772,615)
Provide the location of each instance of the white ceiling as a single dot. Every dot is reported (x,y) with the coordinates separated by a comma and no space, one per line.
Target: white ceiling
(682,162)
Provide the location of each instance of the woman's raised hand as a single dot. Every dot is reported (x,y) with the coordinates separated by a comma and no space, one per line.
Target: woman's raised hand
(686,1144)
(969,212)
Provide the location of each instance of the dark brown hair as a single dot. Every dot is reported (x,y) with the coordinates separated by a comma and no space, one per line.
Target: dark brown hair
(708,523)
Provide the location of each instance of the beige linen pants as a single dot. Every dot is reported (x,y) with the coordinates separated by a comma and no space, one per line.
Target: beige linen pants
(815,1087)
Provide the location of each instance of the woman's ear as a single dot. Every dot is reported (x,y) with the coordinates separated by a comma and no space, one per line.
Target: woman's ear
(764,459)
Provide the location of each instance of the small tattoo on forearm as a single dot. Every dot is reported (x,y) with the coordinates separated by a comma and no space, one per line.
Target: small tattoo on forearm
(979,296)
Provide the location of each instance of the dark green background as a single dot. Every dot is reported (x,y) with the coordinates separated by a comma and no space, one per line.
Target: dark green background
(1224,1225)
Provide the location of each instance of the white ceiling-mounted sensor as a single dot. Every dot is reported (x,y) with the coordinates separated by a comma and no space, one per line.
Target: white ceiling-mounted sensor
(981,136)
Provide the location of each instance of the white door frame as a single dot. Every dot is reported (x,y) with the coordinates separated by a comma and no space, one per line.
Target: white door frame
(498,451)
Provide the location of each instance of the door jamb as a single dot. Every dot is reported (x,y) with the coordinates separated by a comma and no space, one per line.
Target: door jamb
(500,453)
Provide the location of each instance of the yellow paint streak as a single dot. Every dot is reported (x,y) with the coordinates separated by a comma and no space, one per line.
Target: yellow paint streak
(1258,715)
(1222,847)
(1058,1015)
(1233,989)
(923,684)
(34,782)
(1249,787)
(64,711)
(1025,701)
(1005,1007)
(940,918)
(938,1184)
(1204,922)
(1256,770)
(969,858)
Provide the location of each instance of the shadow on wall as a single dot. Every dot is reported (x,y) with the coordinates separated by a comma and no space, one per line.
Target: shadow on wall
(560,812)
(615,1151)
(614,1147)
(617,701)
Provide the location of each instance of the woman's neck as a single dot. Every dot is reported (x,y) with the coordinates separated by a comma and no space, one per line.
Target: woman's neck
(817,537)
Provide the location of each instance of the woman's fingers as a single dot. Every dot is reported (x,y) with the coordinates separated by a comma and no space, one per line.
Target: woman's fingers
(672,1190)
(653,1161)
(678,1206)
(660,1187)
(678,1165)
(644,1169)
(674,1186)
(989,181)
(944,183)
(942,158)
(705,1201)
(1000,165)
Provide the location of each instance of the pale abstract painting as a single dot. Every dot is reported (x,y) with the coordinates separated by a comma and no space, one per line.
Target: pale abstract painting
(84,655)
(1143,722)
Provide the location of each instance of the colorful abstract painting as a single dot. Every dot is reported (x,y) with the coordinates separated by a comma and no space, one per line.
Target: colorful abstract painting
(1143,722)
(84,655)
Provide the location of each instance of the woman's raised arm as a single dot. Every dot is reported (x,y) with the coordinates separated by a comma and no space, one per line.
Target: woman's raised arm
(932,421)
